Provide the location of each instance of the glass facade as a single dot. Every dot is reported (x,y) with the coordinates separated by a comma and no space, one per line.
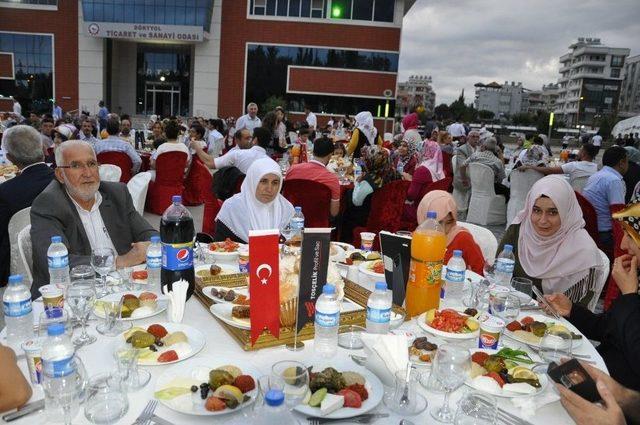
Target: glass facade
(27,2)
(163,76)
(358,10)
(33,68)
(267,75)
(168,12)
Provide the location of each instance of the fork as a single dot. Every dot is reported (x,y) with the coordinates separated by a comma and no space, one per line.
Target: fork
(362,419)
(145,416)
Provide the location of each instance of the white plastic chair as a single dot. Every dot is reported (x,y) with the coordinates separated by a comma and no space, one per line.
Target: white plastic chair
(461,197)
(484,238)
(579,183)
(138,186)
(18,221)
(521,182)
(602,280)
(485,207)
(110,173)
(25,251)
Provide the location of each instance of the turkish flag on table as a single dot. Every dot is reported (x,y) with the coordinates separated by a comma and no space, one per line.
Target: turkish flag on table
(264,282)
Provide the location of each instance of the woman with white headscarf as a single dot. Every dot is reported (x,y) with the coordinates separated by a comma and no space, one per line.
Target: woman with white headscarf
(365,134)
(258,206)
(551,246)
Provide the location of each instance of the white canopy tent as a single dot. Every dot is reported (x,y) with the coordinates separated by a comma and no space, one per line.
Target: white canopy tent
(630,125)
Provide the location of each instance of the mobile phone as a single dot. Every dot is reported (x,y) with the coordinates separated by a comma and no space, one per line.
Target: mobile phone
(574,377)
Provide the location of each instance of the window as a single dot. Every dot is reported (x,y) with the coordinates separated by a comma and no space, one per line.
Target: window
(29,2)
(289,8)
(33,68)
(361,10)
(615,73)
(617,60)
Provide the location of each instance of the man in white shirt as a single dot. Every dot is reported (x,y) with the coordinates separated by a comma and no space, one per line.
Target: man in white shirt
(456,130)
(250,120)
(17,109)
(125,130)
(584,167)
(57,111)
(311,118)
(239,158)
(596,141)
(215,139)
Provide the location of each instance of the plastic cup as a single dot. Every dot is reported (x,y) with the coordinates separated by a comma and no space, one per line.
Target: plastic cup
(243,260)
(32,350)
(52,296)
(367,240)
(490,330)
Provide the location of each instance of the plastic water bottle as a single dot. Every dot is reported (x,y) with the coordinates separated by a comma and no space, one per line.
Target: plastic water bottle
(327,320)
(18,314)
(297,221)
(58,259)
(274,410)
(154,262)
(379,309)
(454,277)
(357,169)
(57,352)
(505,264)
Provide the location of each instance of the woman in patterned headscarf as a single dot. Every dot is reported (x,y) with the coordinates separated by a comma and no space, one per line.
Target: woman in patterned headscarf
(406,157)
(429,171)
(618,330)
(377,170)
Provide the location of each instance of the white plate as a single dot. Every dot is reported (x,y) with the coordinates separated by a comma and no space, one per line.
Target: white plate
(240,291)
(449,335)
(542,378)
(225,268)
(374,388)
(195,338)
(225,256)
(546,319)
(363,267)
(162,302)
(223,312)
(341,251)
(198,369)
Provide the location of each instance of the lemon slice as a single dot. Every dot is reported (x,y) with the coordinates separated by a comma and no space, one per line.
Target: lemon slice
(229,391)
(520,372)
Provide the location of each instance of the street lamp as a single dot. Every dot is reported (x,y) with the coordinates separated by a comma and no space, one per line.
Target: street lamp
(387,94)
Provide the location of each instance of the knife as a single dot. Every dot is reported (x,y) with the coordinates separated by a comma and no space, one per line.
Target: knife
(158,420)
(25,410)
(331,420)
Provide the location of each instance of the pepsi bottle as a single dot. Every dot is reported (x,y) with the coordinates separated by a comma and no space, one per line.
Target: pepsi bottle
(177,235)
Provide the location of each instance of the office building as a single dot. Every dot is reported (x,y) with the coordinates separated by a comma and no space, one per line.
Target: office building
(415,92)
(630,94)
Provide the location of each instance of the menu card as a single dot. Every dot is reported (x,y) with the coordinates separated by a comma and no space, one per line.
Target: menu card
(396,256)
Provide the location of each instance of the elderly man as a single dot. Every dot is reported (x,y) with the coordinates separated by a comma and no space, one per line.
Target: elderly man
(24,149)
(250,120)
(490,156)
(115,144)
(87,213)
(463,152)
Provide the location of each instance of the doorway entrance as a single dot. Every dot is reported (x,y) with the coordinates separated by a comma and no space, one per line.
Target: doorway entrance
(162,99)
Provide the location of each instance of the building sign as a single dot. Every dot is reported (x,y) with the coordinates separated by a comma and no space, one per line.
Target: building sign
(145,32)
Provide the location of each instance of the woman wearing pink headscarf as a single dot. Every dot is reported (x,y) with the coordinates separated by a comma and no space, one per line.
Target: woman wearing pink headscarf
(429,170)
(410,124)
(457,236)
(551,246)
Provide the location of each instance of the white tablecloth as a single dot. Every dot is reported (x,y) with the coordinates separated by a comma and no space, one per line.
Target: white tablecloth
(98,358)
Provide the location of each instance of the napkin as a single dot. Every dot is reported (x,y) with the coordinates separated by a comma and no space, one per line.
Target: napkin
(388,354)
(177,300)
(529,405)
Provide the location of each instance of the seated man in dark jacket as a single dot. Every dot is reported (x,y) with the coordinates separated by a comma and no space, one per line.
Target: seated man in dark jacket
(87,213)
(24,149)
(618,330)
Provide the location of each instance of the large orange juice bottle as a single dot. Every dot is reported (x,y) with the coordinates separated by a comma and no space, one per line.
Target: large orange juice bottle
(428,247)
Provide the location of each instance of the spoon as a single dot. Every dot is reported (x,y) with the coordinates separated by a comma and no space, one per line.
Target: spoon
(406,422)
(404,400)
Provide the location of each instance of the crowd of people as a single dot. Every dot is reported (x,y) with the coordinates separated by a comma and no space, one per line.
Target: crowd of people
(550,243)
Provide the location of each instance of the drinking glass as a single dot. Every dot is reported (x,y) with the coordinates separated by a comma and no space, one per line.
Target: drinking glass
(451,370)
(102,261)
(82,272)
(51,316)
(475,408)
(126,281)
(295,376)
(405,400)
(477,296)
(80,297)
(505,305)
(287,232)
(522,284)
(342,172)
(106,401)
(112,310)
(489,272)
(555,344)
(131,378)
(64,394)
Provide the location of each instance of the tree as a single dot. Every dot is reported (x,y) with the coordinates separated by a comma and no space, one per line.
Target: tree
(522,118)
(271,103)
(485,115)
(542,122)
(442,112)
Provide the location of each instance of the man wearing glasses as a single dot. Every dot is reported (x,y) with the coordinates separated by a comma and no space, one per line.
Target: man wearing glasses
(87,213)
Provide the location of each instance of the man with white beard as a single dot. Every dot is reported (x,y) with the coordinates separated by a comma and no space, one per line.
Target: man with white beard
(87,213)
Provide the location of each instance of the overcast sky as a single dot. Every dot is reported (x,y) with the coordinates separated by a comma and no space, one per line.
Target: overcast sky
(463,42)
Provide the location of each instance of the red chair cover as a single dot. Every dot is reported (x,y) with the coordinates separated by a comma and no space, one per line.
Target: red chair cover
(212,206)
(120,159)
(611,291)
(442,184)
(313,197)
(447,165)
(197,184)
(590,218)
(387,205)
(169,181)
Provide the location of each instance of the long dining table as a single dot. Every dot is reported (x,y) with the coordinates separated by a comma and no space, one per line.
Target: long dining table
(98,358)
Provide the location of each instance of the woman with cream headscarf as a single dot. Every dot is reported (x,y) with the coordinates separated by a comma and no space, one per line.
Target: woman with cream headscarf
(551,246)
(365,134)
(430,170)
(458,238)
(410,124)
(258,206)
